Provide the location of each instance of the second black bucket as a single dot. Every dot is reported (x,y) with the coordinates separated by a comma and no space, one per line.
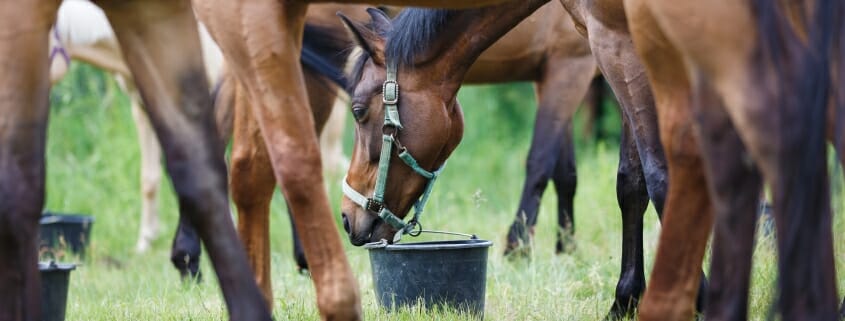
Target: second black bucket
(451,273)
(65,231)
(55,278)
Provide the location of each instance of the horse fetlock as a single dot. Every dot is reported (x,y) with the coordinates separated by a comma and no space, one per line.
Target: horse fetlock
(659,307)
(565,240)
(187,265)
(519,240)
(342,303)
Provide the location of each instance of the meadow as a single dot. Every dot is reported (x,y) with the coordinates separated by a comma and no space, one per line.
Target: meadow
(93,164)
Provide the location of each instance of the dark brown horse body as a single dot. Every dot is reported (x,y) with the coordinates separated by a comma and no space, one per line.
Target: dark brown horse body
(741,102)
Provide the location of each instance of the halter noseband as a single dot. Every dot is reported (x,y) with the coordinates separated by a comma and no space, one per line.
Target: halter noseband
(392,126)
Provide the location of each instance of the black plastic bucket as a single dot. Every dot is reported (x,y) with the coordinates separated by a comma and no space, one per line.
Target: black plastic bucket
(55,278)
(451,273)
(61,232)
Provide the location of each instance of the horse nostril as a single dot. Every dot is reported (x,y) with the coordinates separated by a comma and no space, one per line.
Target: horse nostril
(346,223)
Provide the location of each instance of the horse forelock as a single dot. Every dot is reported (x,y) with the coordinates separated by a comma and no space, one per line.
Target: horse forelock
(82,22)
(413,32)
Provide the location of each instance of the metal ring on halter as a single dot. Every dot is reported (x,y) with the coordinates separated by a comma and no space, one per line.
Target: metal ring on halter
(389,130)
(399,147)
(416,228)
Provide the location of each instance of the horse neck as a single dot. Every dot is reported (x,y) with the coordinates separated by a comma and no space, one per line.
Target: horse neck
(479,29)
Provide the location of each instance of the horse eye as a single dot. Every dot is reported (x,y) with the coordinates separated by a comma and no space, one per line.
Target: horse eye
(359,111)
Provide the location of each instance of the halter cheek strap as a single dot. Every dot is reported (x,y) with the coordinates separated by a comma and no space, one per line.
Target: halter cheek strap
(59,48)
(375,204)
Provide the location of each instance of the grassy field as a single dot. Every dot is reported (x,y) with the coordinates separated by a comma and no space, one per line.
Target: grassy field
(93,168)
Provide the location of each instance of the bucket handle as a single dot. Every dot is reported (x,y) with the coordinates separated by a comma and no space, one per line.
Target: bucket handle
(398,236)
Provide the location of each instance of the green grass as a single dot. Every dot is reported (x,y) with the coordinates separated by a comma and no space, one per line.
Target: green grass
(93,168)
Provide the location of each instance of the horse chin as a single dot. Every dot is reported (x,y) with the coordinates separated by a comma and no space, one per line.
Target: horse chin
(382,231)
(368,235)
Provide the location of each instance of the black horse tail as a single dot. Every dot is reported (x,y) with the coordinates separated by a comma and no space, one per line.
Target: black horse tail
(795,60)
(325,51)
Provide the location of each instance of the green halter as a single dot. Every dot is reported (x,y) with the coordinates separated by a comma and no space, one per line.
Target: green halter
(390,98)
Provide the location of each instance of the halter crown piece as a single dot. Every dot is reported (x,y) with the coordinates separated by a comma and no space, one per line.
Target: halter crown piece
(392,126)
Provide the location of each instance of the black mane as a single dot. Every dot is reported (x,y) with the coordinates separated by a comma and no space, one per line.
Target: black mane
(413,30)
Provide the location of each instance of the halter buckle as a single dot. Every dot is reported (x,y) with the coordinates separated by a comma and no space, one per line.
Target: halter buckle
(374,206)
(390,92)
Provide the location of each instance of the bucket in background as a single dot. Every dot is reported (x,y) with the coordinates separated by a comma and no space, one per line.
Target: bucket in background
(55,278)
(61,232)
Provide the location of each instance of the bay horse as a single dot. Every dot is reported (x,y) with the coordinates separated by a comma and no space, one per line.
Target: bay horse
(431,66)
(742,101)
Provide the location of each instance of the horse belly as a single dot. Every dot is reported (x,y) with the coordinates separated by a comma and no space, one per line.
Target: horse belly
(505,70)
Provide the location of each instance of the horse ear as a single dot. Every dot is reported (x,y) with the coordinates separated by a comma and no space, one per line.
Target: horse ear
(381,22)
(368,39)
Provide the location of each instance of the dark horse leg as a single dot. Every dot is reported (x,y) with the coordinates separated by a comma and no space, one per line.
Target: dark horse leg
(165,61)
(552,153)
(24,88)
(734,190)
(632,195)
(186,250)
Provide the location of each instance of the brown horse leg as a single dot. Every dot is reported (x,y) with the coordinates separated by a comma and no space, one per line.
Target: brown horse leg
(263,51)
(322,96)
(735,189)
(675,279)
(165,60)
(252,180)
(252,184)
(24,88)
(552,153)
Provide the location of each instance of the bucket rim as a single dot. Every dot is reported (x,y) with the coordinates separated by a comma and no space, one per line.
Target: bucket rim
(53,266)
(50,217)
(429,245)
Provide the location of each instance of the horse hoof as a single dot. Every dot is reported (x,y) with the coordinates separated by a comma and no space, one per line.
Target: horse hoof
(619,312)
(565,247)
(517,251)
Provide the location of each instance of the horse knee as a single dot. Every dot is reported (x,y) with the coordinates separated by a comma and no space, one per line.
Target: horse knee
(300,175)
(251,177)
